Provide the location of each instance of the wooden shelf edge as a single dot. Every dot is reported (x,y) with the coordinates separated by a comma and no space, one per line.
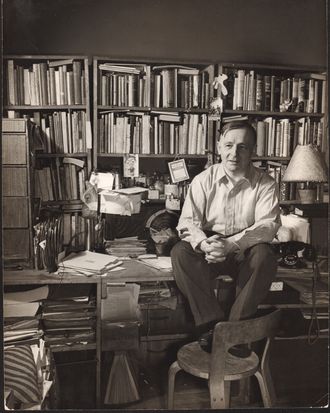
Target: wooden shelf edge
(73,347)
(272,113)
(45,107)
(61,155)
(150,155)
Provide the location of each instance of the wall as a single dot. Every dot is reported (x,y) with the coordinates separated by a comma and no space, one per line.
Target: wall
(264,31)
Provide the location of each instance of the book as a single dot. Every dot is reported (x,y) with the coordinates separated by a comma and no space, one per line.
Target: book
(132,69)
(91,261)
(62,62)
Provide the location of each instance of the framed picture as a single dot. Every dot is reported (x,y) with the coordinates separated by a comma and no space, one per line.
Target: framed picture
(131,165)
(178,170)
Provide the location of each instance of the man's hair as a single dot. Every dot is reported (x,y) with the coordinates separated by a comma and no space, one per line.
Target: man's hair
(239,124)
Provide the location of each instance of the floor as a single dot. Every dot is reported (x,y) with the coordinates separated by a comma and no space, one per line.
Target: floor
(299,371)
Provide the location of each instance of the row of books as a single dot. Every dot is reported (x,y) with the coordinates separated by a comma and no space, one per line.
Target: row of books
(178,88)
(157,134)
(44,83)
(279,137)
(287,190)
(62,132)
(248,90)
(159,86)
(124,85)
(59,182)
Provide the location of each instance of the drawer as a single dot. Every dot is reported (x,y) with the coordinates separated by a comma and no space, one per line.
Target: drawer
(15,212)
(14,151)
(14,181)
(16,244)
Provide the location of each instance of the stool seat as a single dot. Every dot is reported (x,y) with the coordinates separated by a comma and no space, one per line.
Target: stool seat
(220,367)
(196,361)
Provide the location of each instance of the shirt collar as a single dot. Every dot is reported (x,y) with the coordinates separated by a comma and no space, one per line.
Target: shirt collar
(250,175)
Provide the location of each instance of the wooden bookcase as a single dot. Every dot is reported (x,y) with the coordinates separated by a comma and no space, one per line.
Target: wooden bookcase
(151,111)
(286,104)
(53,91)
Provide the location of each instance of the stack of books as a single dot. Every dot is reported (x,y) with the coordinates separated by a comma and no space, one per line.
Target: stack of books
(126,247)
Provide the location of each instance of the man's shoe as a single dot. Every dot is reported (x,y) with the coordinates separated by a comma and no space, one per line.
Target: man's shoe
(205,341)
(240,350)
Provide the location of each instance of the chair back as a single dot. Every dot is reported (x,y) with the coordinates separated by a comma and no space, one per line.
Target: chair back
(231,333)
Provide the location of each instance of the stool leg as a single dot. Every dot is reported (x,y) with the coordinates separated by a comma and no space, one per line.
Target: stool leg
(244,391)
(174,368)
(265,389)
(220,395)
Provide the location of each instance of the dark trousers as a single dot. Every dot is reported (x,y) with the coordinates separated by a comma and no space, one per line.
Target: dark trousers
(253,276)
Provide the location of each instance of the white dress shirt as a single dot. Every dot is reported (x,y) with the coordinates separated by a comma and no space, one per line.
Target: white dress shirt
(246,212)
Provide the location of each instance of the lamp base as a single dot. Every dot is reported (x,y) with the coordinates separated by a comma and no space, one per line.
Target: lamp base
(307,196)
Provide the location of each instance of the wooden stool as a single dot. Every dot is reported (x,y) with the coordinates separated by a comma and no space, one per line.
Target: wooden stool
(220,367)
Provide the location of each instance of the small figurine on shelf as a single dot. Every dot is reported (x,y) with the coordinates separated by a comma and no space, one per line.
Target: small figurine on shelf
(216,105)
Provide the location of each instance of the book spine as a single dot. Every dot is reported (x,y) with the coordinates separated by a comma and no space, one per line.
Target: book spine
(77,82)
(259,92)
(240,89)
(311,91)
(11,83)
(267,92)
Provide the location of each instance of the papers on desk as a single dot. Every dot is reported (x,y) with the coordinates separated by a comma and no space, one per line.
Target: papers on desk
(88,263)
(160,263)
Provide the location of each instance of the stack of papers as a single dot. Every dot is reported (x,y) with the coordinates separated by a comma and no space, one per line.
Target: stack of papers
(88,263)
(24,303)
(126,247)
(19,307)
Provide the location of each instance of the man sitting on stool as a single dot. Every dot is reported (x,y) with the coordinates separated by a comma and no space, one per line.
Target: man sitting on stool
(230,215)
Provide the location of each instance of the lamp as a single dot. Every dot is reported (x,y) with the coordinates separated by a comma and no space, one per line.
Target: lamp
(306,165)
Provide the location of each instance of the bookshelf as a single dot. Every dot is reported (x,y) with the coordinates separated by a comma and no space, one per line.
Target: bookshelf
(286,104)
(53,93)
(151,109)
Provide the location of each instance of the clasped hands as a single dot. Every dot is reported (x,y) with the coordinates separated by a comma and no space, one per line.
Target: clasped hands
(216,249)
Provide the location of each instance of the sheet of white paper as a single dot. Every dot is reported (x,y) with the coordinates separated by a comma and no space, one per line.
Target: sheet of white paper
(105,180)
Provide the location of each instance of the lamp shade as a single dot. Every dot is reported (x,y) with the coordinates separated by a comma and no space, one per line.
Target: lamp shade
(306,165)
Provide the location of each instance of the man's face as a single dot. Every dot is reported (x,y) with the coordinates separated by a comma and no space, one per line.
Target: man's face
(236,149)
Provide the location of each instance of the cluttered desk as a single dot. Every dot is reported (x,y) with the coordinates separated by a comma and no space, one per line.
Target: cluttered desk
(110,273)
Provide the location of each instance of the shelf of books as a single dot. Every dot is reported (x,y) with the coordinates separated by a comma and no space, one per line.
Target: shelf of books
(287,106)
(53,92)
(151,109)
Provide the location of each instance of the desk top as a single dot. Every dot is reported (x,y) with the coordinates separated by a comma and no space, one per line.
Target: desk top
(135,271)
